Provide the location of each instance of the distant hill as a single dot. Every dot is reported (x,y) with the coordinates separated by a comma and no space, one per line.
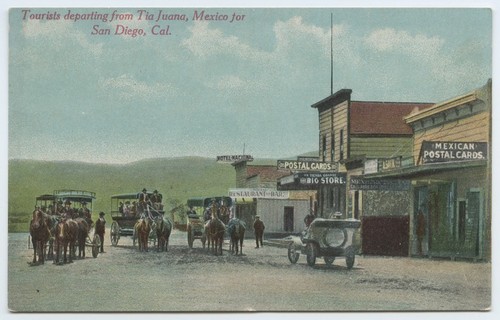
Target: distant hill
(175,178)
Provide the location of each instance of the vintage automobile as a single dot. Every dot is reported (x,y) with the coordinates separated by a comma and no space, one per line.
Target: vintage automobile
(327,238)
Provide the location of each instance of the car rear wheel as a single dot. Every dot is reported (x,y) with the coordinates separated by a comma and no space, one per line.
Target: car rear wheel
(293,255)
(311,254)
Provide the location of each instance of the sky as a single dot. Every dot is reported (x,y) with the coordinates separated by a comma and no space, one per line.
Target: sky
(223,88)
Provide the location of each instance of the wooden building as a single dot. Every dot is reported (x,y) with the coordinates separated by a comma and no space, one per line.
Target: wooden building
(450,175)
(351,132)
(282,212)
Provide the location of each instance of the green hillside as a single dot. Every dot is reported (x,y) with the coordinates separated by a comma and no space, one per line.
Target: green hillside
(176,178)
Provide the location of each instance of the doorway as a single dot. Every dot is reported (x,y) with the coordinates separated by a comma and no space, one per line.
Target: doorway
(288,219)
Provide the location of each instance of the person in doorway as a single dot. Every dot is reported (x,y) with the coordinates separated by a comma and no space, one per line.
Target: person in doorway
(258,227)
(420,230)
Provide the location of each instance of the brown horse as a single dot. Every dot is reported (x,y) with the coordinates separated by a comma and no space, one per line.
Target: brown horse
(163,230)
(40,234)
(83,233)
(215,229)
(65,239)
(141,232)
(236,230)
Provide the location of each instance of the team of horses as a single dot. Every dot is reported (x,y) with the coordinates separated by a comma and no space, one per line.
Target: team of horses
(63,235)
(67,235)
(157,227)
(215,229)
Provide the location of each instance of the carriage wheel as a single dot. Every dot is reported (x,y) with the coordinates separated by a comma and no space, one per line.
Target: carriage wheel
(329,260)
(96,245)
(349,257)
(115,233)
(293,255)
(311,254)
(203,240)
(190,237)
(50,249)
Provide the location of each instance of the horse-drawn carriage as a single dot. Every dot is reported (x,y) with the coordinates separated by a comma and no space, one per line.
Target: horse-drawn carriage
(327,238)
(49,213)
(129,213)
(201,213)
(82,202)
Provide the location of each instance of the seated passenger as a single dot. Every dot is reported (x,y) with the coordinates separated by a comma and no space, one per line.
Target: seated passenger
(192,213)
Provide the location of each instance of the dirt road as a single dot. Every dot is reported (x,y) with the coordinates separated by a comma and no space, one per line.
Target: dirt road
(125,280)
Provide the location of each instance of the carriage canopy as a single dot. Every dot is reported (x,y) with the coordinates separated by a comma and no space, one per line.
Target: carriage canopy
(204,202)
(76,197)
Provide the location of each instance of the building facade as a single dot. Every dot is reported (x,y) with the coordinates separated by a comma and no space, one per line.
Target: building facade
(352,132)
(282,212)
(450,178)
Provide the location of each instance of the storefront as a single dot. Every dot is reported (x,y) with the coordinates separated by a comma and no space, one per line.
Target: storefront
(450,178)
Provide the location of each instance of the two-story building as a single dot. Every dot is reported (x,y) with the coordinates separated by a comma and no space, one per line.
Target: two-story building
(351,132)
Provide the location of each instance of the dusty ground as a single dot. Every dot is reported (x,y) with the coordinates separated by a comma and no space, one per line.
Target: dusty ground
(123,279)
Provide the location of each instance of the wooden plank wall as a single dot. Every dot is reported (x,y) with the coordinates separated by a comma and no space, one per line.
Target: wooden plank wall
(381,147)
(325,128)
(470,129)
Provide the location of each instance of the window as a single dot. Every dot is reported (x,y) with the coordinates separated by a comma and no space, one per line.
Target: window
(323,147)
(332,150)
(341,144)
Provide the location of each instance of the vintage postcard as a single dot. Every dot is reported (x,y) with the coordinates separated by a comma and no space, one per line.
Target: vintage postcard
(249,159)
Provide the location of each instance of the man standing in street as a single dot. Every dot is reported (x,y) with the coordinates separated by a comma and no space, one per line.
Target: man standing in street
(258,227)
(420,231)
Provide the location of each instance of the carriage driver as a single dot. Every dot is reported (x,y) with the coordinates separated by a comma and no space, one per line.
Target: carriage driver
(85,213)
(143,201)
(67,212)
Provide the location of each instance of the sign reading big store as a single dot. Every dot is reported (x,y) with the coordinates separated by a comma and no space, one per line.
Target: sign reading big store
(311,180)
(441,151)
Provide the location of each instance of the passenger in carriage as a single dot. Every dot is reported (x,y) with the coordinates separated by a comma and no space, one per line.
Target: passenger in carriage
(120,208)
(133,209)
(192,213)
(156,199)
(67,212)
(58,208)
(207,214)
(50,210)
(85,213)
(126,209)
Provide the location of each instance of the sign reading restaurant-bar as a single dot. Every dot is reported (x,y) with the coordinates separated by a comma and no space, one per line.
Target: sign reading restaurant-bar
(440,151)
(261,193)
(294,165)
